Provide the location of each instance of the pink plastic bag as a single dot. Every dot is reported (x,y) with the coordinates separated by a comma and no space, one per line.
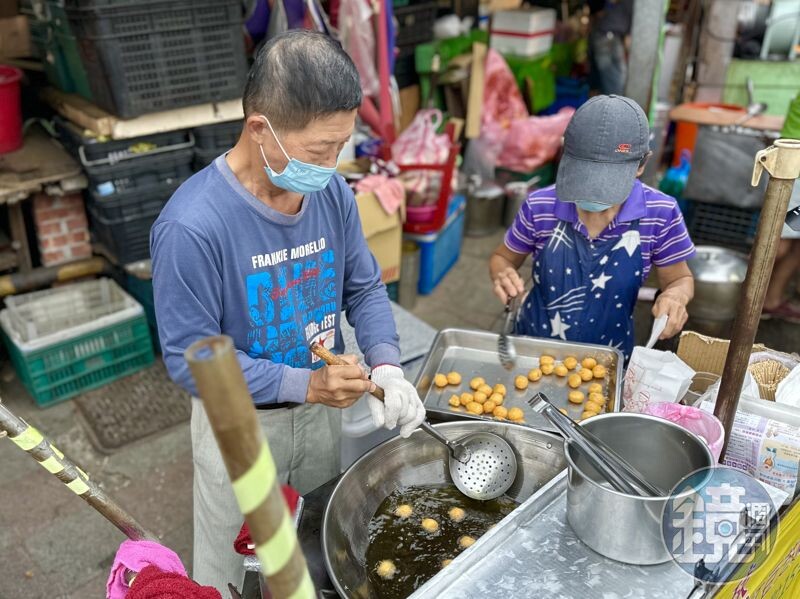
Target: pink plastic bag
(706,426)
(358,39)
(502,100)
(533,141)
(421,144)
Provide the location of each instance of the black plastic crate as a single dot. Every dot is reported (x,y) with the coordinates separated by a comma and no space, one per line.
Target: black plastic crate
(221,136)
(148,56)
(405,70)
(415,23)
(135,174)
(202,158)
(115,150)
(213,140)
(126,239)
(132,204)
(717,224)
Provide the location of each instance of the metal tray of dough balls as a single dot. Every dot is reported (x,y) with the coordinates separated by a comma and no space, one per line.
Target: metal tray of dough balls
(451,388)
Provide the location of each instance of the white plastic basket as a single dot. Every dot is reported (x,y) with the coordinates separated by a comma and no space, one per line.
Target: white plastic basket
(38,319)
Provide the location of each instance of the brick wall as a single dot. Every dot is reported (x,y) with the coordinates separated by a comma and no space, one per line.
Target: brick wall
(61,228)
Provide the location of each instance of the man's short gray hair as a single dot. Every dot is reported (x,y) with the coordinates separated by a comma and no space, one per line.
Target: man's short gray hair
(299,76)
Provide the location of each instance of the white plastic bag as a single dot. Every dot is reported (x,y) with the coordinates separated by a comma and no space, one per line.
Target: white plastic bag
(788,391)
(653,377)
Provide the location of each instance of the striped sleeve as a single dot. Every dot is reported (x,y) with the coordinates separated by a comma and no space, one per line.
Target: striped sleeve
(672,243)
(521,236)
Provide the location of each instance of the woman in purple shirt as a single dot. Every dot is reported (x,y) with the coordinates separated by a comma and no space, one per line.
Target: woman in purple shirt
(595,235)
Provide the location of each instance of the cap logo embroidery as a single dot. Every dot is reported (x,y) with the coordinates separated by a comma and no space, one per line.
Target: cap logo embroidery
(623,148)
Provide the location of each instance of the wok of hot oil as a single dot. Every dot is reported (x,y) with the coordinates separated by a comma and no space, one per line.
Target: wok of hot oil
(416,554)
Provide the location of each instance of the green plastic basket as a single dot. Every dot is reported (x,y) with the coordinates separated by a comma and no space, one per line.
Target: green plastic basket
(68,368)
(139,284)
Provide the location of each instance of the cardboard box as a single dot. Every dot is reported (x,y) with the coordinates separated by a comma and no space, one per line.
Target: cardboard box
(527,32)
(705,354)
(15,39)
(384,234)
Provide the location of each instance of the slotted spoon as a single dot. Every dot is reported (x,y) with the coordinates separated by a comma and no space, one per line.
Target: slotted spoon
(483,466)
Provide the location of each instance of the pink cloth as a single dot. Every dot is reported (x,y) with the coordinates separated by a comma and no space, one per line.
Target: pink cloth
(390,192)
(136,556)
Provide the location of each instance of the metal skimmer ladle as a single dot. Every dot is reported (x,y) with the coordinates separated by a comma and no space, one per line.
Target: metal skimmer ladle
(482,465)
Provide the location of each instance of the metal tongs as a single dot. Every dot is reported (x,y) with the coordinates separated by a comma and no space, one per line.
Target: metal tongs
(505,345)
(611,466)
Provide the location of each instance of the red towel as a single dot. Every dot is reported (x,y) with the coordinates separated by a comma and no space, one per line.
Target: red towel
(152,583)
(243,540)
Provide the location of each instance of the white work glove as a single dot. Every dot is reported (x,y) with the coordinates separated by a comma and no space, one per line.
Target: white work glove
(401,404)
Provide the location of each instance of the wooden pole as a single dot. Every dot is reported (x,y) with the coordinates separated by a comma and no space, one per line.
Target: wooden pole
(782,162)
(230,409)
(30,440)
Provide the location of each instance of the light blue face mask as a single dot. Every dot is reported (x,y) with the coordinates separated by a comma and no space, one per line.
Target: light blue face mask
(592,206)
(298,176)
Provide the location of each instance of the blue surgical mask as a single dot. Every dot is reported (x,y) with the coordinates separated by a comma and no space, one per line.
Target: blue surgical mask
(298,176)
(592,206)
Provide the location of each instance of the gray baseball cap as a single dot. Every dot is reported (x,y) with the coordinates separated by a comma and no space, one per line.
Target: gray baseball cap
(604,143)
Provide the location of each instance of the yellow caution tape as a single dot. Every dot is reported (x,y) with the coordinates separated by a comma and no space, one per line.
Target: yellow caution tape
(275,553)
(252,488)
(52,465)
(28,439)
(306,588)
(78,486)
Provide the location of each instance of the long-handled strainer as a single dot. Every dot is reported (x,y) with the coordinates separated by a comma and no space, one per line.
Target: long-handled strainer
(482,465)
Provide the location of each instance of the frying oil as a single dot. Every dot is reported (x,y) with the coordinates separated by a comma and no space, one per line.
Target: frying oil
(418,555)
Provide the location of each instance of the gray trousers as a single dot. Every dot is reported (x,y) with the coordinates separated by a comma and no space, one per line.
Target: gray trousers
(305,443)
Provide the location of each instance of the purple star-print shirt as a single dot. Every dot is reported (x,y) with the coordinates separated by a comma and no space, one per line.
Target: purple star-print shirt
(663,234)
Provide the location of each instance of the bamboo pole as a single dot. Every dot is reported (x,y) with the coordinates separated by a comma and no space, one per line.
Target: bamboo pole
(230,409)
(782,162)
(30,440)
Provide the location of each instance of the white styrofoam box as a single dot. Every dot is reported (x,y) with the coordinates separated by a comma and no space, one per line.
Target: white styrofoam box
(525,32)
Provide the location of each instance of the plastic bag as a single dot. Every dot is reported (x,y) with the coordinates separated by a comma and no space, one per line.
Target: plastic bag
(420,144)
(533,141)
(502,100)
(653,377)
(358,39)
(704,425)
(481,155)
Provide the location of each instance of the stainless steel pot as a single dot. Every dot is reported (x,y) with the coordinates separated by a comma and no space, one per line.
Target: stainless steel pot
(625,527)
(516,193)
(485,203)
(418,460)
(718,277)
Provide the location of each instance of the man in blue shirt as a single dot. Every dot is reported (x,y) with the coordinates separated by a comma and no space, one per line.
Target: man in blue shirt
(265,245)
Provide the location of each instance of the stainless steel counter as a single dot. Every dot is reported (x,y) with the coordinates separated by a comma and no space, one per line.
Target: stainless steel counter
(534,553)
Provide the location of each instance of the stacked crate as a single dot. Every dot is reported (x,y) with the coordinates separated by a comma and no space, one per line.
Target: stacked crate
(71,339)
(154,55)
(129,183)
(212,140)
(414,27)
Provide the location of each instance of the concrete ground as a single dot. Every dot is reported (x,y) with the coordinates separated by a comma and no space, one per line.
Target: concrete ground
(53,545)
